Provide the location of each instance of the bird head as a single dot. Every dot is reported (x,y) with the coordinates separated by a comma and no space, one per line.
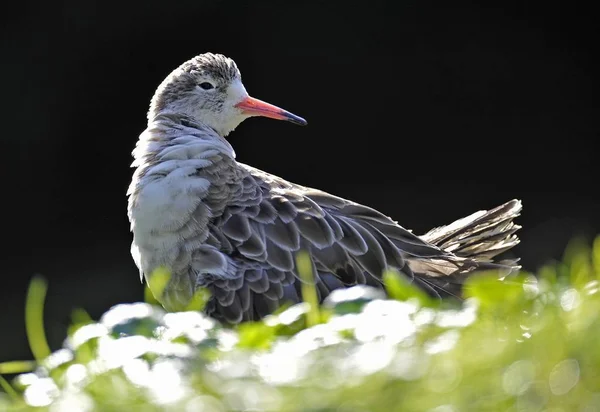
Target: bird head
(209,89)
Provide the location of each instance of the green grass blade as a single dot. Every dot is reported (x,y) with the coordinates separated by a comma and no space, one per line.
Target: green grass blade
(308,287)
(199,300)
(399,288)
(596,256)
(13,367)
(9,389)
(155,285)
(80,316)
(34,318)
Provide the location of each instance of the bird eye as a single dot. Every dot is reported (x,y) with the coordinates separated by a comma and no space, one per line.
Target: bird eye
(206,86)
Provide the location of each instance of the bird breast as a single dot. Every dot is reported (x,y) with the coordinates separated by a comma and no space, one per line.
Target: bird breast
(168,207)
(167,213)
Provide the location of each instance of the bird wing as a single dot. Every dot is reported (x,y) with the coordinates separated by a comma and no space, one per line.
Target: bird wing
(267,220)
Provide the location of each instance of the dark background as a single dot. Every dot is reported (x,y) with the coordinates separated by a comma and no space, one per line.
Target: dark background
(427,111)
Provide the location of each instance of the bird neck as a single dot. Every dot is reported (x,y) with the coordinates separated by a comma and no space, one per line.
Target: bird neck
(173,142)
(173,136)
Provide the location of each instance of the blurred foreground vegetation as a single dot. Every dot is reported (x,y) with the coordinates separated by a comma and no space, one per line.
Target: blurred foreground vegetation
(528,343)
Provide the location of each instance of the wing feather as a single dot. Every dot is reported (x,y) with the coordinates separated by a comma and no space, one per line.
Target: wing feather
(267,220)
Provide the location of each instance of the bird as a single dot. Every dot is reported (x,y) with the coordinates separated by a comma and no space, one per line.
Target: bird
(221,225)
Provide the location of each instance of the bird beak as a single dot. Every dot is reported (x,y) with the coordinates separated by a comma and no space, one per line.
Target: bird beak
(254,107)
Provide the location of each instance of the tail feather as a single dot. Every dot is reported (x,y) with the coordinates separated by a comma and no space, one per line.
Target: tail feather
(474,241)
(480,236)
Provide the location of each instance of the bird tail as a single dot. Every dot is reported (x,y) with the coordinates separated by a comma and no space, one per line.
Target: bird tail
(480,236)
(475,241)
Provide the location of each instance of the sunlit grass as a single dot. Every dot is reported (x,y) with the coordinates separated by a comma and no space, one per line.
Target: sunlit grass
(8,388)
(155,286)
(12,367)
(34,318)
(527,343)
(309,292)
(157,283)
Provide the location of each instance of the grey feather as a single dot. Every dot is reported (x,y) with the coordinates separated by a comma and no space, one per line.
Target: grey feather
(308,207)
(352,241)
(237,227)
(285,209)
(275,275)
(278,257)
(338,233)
(254,246)
(244,297)
(315,230)
(252,275)
(275,291)
(330,258)
(373,261)
(267,213)
(260,285)
(284,235)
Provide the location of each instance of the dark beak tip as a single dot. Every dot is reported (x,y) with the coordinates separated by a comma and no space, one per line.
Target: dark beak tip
(297,120)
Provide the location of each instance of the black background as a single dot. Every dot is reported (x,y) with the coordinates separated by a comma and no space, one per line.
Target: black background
(427,111)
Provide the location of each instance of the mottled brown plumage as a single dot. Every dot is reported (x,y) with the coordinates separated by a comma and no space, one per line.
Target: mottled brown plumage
(216,223)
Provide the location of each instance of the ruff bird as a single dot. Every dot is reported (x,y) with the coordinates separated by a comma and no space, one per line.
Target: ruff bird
(219,224)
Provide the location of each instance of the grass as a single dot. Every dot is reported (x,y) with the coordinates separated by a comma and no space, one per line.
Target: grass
(528,343)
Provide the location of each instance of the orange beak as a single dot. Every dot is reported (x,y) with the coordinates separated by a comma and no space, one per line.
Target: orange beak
(254,107)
